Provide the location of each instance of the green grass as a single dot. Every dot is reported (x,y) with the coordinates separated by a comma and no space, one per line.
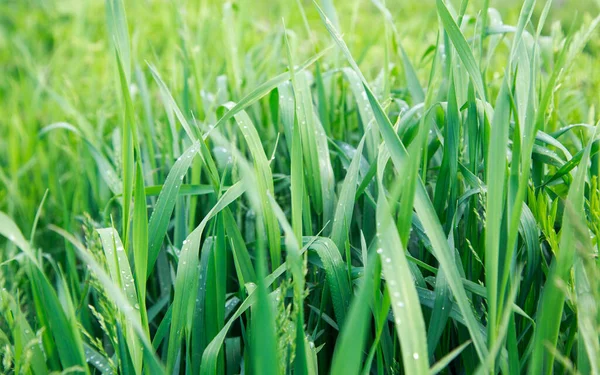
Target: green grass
(277,187)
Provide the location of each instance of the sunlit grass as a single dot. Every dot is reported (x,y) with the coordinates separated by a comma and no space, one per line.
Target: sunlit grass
(366,187)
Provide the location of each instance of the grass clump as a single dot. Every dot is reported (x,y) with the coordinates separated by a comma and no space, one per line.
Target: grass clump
(367,187)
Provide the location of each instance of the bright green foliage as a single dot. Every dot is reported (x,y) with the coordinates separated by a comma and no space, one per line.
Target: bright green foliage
(299,187)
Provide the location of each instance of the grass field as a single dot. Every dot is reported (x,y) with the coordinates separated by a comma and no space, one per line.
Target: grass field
(299,187)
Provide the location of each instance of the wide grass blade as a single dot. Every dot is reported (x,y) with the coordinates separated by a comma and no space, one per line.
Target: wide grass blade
(462,48)
(337,277)
(495,208)
(120,272)
(159,219)
(128,140)
(408,317)
(264,180)
(346,200)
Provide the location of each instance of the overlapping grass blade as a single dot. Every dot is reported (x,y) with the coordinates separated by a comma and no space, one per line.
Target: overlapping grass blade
(128,139)
(495,205)
(553,296)
(140,242)
(118,33)
(264,180)
(159,219)
(347,357)
(25,341)
(337,277)
(114,292)
(61,333)
(186,283)
(120,272)
(345,206)
(462,48)
(423,205)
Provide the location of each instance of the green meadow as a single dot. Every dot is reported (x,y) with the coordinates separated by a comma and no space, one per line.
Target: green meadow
(299,187)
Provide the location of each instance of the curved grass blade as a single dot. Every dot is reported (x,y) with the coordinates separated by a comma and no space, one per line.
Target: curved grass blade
(296,266)
(128,139)
(337,276)
(211,353)
(186,282)
(287,105)
(241,257)
(184,189)
(97,360)
(25,341)
(364,110)
(60,319)
(461,46)
(159,219)
(306,124)
(10,230)
(410,325)
(262,90)
(120,272)
(264,180)
(440,365)
(347,357)
(118,32)
(345,206)
(118,264)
